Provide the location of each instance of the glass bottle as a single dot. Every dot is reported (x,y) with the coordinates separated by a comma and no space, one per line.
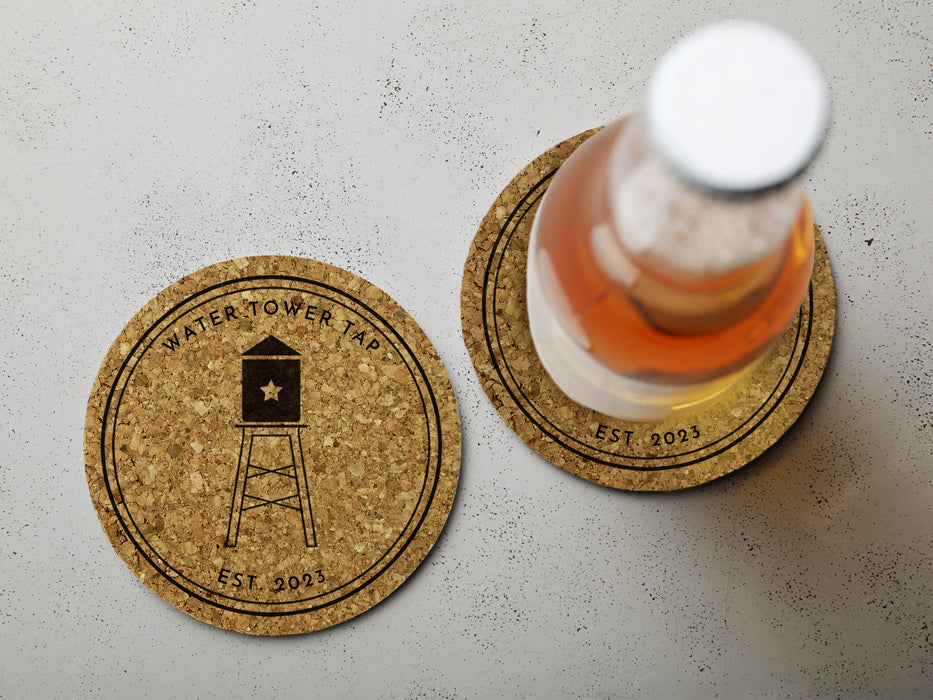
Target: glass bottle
(674,247)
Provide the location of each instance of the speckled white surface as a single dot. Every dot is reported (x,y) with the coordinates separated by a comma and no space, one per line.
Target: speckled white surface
(142,141)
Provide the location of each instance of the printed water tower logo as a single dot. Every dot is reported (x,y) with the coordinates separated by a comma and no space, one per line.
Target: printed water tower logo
(270,472)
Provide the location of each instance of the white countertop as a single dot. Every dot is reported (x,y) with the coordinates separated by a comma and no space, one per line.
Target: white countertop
(142,143)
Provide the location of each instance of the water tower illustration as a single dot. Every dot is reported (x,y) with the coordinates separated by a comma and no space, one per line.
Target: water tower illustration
(270,470)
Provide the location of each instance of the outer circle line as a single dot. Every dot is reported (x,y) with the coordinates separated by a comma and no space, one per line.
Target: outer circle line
(129,532)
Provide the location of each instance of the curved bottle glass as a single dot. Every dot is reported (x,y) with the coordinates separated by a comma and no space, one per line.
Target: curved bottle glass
(648,296)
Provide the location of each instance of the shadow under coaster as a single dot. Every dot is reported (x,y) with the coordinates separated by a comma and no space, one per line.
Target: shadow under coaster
(683,451)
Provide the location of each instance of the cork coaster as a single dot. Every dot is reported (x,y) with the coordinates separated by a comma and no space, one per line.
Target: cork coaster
(683,451)
(272,445)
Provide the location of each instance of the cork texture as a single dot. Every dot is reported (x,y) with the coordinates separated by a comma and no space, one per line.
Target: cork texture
(272,445)
(686,450)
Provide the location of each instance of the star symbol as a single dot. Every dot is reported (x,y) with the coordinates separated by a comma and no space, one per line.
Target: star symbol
(271,391)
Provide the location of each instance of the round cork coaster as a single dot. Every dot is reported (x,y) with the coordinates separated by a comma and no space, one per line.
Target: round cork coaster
(686,450)
(272,445)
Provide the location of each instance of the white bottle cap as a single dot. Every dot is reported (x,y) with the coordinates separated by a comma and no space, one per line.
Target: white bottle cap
(737,107)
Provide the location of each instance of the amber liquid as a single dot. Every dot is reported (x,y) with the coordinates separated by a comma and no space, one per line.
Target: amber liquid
(624,329)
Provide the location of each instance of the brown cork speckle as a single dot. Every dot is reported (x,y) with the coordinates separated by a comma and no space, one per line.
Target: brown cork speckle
(272,445)
(687,450)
